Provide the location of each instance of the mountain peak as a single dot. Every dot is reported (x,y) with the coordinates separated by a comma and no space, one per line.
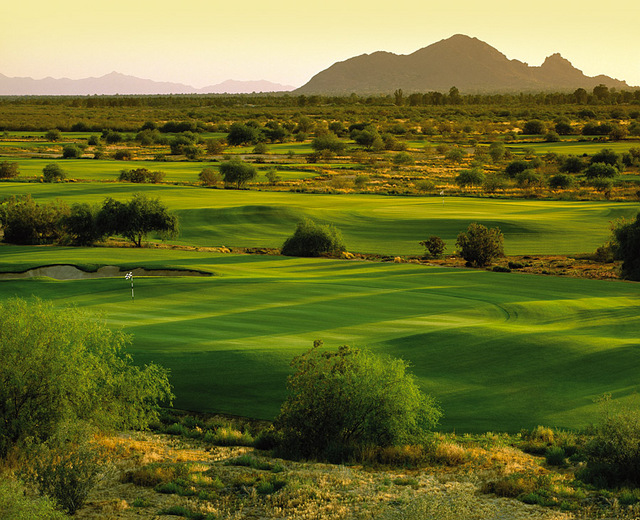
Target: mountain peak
(556,60)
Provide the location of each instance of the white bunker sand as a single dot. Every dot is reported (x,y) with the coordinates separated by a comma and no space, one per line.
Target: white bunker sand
(71,272)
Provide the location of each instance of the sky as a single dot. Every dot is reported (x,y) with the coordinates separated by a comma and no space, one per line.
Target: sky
(204,42)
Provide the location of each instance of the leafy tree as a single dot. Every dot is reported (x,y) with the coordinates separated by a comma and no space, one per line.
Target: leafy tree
(528,177)
(136,218)
(240,134)
(141,175)
(112,137)
(260,148)
(479,245)
(237,172)
(515,167)
(53,135)
(272,176)
(341,401)
(52,172)
(626,238)
(551,137)
(403,159)
(67,365)
(435,245)
(601,170)
(209,177)
(561,181)
(572,164)
(496,151)
(329,142)
(8,170)
(456,155)
(533,127)
(81,224)
(71,151)
(214,146)
(608,156)
(473,177)
(26,222)
(311,239)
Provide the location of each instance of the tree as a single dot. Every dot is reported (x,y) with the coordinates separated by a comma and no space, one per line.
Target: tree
(65,364)
(496,151)
(238,172)
(561,181)
(601,170)
(53,135)
(137,218)
(341,401)
(52,172)
(8,170)
(71,151)
(608,156)
(626,239)
(473,177)
(329,142)
(240,134)
(515,167)
(26,222)
(209,177)
(479,245)
(572,164)
(435,245)
(311,239)
(533,127)
(81,224)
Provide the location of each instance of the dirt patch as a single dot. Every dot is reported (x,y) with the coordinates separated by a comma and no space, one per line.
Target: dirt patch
(71,272)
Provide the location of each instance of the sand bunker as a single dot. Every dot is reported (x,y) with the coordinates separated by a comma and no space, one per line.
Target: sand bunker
(71,272)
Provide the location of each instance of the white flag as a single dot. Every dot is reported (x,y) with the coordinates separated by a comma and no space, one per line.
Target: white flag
(442,193)
(128,276)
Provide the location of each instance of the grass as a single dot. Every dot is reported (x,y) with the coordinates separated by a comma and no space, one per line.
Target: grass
(369,223)
(499,351)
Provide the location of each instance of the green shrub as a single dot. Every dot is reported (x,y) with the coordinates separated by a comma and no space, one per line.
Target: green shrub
(479,245)
(71,151)
(8,170)
(15,504)
(341,401)
(311,239)
(555,456)
(434,245)
(52,172)
(626,246)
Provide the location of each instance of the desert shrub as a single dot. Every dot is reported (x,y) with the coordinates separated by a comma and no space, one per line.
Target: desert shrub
(66,468)
(311,239)
(601,170)
(272,176)
(123,155)
(15,504)
(456,155)
(65,364)
(479,245)
(228,436)
(626,247)
(81,224)
(561,181)
(141,175)
(425,185)
(209,177)
(473,177)
(501,269)
(329,142)
(52,172)
(434,245)
(450,453)
(535,126)
(608,156)
(53,135)
(528,177)
(403,159)
(341,401)
(613,455)
(600,184)
(71,151)
(515,167)
(26,222)
(572,164)
(493,183)
(512,485)
(8,170)
(237,172)
(555,456)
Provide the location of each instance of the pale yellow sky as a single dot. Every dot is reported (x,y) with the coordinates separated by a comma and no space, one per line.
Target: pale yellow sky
(203,42)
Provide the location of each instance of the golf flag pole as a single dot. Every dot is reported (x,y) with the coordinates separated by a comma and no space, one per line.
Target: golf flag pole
(129,276)
(442,195)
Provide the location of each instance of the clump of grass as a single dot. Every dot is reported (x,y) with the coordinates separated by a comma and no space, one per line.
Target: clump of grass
(227,436)
(251,462)
(450,453)
(555,456)
(141,502)
(512,485)
(406,481)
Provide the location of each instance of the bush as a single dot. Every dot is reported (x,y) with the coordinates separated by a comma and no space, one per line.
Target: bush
(53,135)
(572,164)
(515,167)
(528,177)
(71,151)
(123,155)
(626,245)
(435,245)
(26,222)
(561,181)
(601,170)
(555,456)
(311,239)
(479,245)
(341,401)
(330,142)
(81,224)
(209,177)
(66,364)
(141,175)
(15,504)
(613,455)
(473,177)
(52,172)
(8,170)
(237,172)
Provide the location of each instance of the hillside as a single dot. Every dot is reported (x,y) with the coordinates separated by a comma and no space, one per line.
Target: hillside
(467,63)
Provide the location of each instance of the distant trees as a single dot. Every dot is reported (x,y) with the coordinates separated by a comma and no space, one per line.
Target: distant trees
(240,133)
(141,175)
(237,172)
(53,135)
(26,222)
(71,151)
(341,401)
(311,239)
(479,245)
(434,245)
(330,142)
(472,177)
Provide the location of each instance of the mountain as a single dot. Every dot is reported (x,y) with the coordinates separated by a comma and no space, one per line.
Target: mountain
(467,63)
(116,83)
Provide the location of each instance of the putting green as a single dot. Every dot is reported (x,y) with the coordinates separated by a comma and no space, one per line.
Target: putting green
(369,223)
(499,351)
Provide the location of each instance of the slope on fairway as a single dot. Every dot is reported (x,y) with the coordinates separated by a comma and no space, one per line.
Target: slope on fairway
(500,351)
(369,223)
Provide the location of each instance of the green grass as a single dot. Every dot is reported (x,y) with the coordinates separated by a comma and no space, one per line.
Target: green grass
(369,223)
(108,170)
(500,351)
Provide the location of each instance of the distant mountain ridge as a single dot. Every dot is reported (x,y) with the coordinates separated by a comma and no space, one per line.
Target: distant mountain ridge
(117,83)
(469,64)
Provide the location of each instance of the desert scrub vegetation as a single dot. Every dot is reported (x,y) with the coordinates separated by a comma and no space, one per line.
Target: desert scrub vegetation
(312,239)
(341,401)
